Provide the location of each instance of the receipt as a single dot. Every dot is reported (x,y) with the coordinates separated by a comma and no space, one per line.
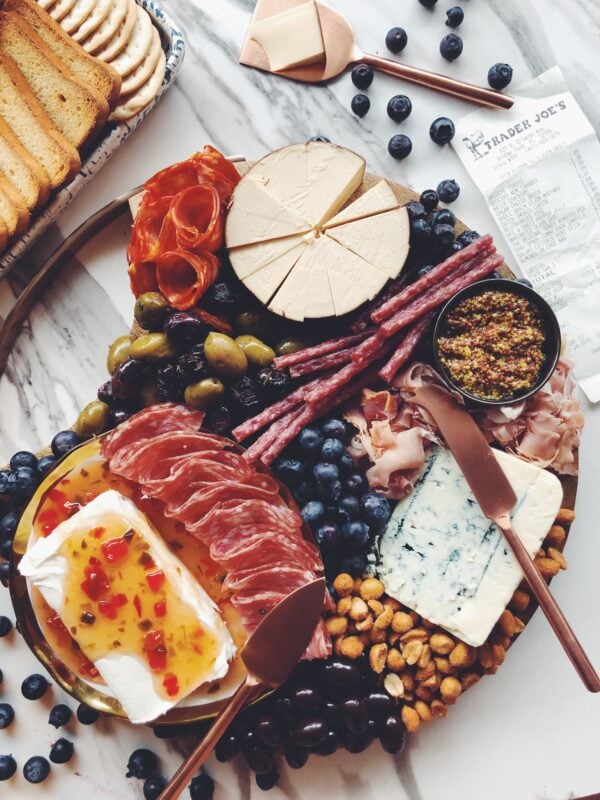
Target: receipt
(538,167)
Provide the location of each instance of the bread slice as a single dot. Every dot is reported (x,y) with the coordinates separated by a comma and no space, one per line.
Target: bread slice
(104,78)
(32,126)
(28,177)
(12,209)
(75,110)
(3,235)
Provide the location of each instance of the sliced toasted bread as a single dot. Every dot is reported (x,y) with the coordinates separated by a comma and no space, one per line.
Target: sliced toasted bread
(32,126)
(75,110)
(3,235)
(25,174)
(88,69)
(12,209)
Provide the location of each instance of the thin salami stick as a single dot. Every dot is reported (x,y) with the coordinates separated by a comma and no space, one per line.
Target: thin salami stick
(323,349)
(251,426)
(321,364)
(438,295)
(391,290)
(272,434)
(292,429)
(406,348)
(447,267)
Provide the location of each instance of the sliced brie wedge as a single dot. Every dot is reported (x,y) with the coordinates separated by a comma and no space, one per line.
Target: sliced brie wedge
(352,279)
(376,200)
(264,282)
(291,38)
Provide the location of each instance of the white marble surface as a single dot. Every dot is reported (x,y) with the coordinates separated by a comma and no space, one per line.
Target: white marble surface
(531,732)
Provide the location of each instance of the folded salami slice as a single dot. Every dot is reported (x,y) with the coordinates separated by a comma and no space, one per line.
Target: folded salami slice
(150,422)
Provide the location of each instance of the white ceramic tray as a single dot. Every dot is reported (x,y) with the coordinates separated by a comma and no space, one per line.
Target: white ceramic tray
(114,135)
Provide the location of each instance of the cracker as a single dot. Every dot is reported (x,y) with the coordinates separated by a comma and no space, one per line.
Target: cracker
(96,18)
(108,27)
(134,103)
(60,8)
(115,45)
(77,15)
(143,72)
(137,47)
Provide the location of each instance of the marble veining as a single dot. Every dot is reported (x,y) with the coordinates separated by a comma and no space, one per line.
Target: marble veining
(531,731)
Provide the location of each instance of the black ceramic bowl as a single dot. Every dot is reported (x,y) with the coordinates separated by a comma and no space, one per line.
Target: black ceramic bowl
(551,346)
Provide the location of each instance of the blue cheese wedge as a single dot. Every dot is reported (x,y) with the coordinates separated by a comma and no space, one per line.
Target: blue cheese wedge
(442,558)
(291,38)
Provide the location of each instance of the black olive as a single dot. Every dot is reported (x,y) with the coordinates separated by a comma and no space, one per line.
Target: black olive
(357,742)
(168,385)
(244,394)
(220,420)
(126,379)
(185,328)
(284,713)
(221,298)
(141,764)
(192,366)
(274,383)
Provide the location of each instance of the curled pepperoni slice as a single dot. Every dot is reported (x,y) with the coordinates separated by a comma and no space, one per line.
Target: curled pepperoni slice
(210,157)
(183,277)
(173,179)
(196,216)
(144,244)
(142,277)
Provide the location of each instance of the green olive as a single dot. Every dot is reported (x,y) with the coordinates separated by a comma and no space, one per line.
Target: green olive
(149,394)
(257,352)
(152,347)
(150,311)
(93,420)
(253,323)
(224,355)
(204,394)
(118,352)
(287,346)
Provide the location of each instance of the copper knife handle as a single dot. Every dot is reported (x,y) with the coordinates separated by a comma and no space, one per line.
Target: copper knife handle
(442,83)
(550,607)
(204,748)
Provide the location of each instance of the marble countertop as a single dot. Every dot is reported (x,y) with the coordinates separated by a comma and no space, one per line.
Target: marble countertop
(531,732)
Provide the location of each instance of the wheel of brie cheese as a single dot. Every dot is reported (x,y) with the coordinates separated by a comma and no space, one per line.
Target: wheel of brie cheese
(306,239)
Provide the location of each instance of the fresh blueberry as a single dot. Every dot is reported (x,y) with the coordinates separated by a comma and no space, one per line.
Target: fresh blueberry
(348,508)
(448,191)
(5,548)
(329,492)
(36,769)
(443,217)
(451,47)
(24,459)
(360,105)
(525,282)
(8,524)
(454,16)
(346,464)
(353,563)
(442,130)
(396,40)
(7,714)
(23,482)
(319,138)
(61,751)
(420,230)
(429,199)
(313,512)
(500,75)
(142,763)
(467,237)
(289,470)
(5,626)
(399,146)
(310,440)
(8,767)
(34,687)
(45,464)
(4,571)
(154,786)
(325,472)
(494,274)
(4,476)
(356,484)
(443,234)
(424,270)
(455,247)
(87,715)
(416,210)
(202,787)
(64,442)
(327,536)
(60,715)
(362,76)
(428,3)
(356,534)
(399,107)
(334,429)
(375,509)
(332,450)
(304,492)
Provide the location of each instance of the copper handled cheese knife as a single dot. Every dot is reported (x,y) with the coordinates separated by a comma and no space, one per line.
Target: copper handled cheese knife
(269,655)
(496,499)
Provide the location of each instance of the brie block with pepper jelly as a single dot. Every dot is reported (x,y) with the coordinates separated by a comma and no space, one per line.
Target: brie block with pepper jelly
(134,609)
(291,38)
(442,558)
